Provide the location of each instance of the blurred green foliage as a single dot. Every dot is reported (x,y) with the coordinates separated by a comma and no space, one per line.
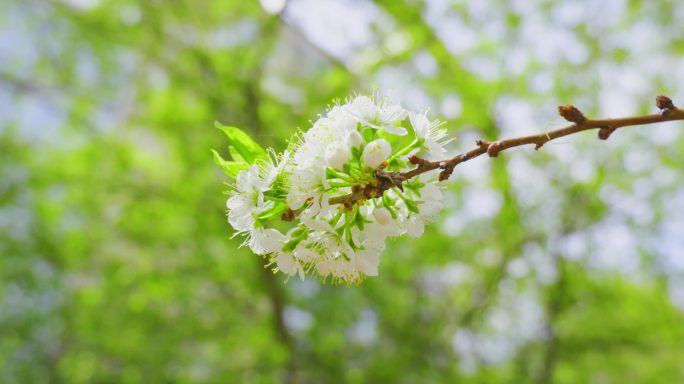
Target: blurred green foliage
(117,264)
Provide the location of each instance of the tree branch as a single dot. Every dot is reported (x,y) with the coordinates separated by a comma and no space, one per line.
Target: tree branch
(387,180)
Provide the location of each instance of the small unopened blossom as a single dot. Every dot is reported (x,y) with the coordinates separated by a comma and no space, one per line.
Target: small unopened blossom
(376,152)
(354,139)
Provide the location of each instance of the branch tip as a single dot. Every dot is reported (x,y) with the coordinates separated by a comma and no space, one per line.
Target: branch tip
(571,114)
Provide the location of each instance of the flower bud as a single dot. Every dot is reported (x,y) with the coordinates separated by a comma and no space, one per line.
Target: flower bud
(336,155)
(376,152)
(382,215)
(354,139)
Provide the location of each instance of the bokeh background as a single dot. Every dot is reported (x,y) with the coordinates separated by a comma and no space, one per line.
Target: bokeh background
(562,265)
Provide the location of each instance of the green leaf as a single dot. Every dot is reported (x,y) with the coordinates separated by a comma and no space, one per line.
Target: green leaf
(368,134)
(235,154)
(276,210)
(359,221)
(231,168)
(247,148)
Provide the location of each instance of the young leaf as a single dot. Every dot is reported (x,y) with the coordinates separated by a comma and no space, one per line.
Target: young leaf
(247,148)
(235,154)
(231,168)
(276,210)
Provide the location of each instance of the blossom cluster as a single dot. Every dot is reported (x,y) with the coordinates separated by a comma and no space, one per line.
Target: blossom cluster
(318,207)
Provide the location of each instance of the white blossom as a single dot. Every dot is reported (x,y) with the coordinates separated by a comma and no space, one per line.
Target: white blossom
(378,116)
(431,132)
(305,183)
(247,199)
(338,155)
(287,263)
(264,241)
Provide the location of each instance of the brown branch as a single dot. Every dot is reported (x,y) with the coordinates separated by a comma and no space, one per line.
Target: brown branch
(668,112)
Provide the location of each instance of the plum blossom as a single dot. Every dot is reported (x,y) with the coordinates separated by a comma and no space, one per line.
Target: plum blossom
(381,116)
(431,132)
(247,199)
(338,156)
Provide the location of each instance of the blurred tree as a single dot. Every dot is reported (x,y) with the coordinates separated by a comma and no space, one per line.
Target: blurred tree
(563,265)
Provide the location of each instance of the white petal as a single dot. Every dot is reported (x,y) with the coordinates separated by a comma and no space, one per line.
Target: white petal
(324,267)
(363,106)
(264,241)
(420,124)
(305,254)
(336,155)
(316,224)
(415,226)
(286,263)
(431,192)
(393,129)
(392,113)
(430,209)
(382,215)
(295,198)
(367,262)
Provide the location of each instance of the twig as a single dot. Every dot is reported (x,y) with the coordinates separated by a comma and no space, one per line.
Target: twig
(668,112)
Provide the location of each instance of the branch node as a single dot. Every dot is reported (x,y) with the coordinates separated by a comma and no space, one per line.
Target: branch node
(288,215)
(484,144)
(664,103)
(538,145)
(443,165)
(605,132)
(446,173)
(572,114)
(493,149)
